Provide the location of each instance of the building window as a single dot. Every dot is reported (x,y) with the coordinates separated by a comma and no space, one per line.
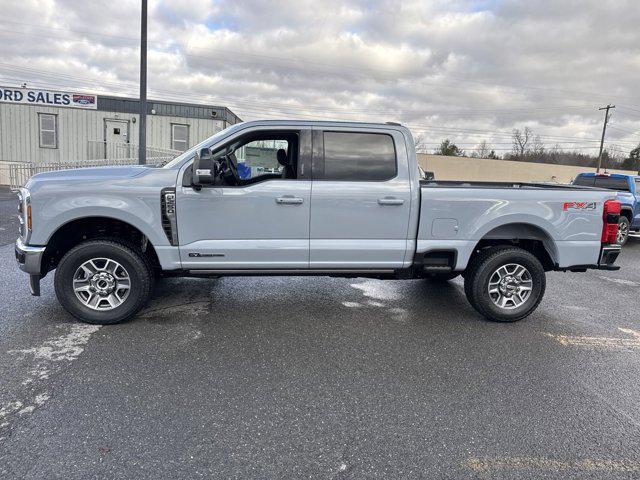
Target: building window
(48,130)
(179,137)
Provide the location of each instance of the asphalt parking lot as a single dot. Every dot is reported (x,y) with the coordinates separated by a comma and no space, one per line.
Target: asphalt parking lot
(8,216)
(323,378)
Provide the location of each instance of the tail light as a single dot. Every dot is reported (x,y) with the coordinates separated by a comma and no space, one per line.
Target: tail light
(610,217)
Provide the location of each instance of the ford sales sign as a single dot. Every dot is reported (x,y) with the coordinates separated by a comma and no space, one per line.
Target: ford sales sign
(47,98)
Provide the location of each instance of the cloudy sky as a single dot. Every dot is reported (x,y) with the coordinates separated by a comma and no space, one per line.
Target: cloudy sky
(466,70)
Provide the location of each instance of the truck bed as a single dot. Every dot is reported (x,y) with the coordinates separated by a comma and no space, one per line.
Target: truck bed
(520,185)
(567,219)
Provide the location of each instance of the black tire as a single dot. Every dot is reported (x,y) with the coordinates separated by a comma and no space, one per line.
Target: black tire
(441,277)
(482,268)
(136,264)
(623,230)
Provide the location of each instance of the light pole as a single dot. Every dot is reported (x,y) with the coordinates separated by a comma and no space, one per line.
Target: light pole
(142,133)
(604,130)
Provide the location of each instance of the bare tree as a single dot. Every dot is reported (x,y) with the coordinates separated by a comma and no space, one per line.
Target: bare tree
(420,143)
(521,140)
(483,149)
(617,155)
(537,147)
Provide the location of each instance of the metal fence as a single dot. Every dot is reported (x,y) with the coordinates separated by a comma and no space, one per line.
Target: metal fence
(16,174)
(99,154)
(99,150)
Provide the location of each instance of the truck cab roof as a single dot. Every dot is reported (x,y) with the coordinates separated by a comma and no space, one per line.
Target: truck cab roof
(321,123)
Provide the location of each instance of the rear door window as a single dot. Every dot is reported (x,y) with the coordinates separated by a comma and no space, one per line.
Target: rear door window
(359,156)
(584,181)
(613,183)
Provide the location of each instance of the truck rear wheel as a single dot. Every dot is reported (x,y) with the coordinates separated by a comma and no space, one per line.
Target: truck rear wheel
(505,284)
(103,281)
(623,230)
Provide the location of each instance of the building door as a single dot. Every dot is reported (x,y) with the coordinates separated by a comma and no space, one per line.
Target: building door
(116,139)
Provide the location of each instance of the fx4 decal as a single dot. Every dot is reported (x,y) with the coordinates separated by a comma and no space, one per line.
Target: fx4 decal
(579,206)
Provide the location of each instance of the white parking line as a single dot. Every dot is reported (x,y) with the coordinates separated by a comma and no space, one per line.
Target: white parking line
(46,357)
(492,464)
(620,281)
(633,341)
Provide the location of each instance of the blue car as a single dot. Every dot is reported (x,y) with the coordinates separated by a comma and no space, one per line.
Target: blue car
(628,188)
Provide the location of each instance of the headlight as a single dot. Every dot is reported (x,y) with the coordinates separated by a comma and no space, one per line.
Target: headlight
(24,213)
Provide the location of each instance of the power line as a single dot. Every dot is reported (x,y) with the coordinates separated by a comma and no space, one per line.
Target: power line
(268,109)
(249,102)
(359,70)
(615,127)
(254,105)
(439,130)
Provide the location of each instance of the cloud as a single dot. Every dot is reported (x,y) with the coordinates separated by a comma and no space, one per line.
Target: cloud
(467,70)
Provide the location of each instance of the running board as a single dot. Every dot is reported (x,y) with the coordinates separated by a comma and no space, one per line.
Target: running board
(297,272)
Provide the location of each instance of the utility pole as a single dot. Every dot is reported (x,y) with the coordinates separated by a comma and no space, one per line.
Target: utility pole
(604,129)
(142,133)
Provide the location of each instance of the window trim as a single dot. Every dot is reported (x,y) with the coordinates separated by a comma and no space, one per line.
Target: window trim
(55,130)
(304,169)
(173,140)
(318,162)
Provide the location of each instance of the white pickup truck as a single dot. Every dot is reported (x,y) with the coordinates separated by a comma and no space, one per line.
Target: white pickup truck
(304,198)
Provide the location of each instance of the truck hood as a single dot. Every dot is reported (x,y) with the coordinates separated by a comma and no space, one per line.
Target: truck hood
(86,174)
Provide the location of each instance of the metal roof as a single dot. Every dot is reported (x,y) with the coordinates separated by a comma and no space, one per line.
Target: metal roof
(172,109)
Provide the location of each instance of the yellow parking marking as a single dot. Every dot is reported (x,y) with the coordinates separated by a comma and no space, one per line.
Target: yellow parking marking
(492,464)
(633,341)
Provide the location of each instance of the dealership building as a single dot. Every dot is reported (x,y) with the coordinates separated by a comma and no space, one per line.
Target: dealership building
(47,126)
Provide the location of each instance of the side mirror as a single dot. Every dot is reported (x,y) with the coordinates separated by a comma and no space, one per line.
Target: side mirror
(204,169)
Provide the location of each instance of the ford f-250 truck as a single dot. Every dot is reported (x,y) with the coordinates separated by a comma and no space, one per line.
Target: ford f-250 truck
(303,198)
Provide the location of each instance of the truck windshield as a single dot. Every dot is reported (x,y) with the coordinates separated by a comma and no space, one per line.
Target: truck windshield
(206,143)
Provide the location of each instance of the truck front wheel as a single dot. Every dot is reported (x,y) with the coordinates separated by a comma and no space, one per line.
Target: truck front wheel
(505,284)
(103,281)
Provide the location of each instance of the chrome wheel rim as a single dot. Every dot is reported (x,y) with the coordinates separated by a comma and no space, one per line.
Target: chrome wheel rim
(101,284)
(510,286)
(623,231)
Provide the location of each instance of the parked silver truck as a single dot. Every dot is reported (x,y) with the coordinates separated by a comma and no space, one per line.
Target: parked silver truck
(304,198)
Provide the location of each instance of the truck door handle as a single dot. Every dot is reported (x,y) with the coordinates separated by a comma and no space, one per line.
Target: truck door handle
(289,200)
(390,201)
